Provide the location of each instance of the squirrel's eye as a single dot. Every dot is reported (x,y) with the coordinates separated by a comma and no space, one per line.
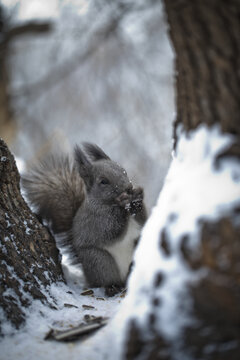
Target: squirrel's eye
(104,182)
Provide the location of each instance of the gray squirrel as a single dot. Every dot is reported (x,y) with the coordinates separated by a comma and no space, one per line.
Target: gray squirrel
(91,201)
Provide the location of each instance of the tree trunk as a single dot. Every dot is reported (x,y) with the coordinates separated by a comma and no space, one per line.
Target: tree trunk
(206,38)
(199,268)
(29,257)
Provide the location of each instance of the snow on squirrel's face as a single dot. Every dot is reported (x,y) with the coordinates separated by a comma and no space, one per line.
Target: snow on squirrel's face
(110,180)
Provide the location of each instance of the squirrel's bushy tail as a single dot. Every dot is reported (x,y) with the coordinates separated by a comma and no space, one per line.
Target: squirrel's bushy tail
(55,189)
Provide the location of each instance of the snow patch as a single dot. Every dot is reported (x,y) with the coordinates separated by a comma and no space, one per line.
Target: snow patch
(194,189)
(28,343)
(20,164)
(38,9)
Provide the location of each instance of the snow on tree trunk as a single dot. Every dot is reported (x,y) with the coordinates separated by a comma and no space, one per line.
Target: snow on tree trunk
(184,292)
(29,259)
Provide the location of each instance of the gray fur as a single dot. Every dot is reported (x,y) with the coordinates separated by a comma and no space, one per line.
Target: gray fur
(92,201)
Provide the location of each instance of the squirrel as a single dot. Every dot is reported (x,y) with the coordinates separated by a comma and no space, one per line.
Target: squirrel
(90,199)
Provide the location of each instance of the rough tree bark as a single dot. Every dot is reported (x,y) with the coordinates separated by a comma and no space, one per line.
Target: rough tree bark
(206,38)
(29,259)
(28,255)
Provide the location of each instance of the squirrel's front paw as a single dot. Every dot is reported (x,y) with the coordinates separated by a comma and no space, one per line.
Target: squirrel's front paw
(124,200)
(132,201)
(137,200)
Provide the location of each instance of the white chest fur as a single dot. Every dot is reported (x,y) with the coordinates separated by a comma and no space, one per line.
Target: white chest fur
(122,251)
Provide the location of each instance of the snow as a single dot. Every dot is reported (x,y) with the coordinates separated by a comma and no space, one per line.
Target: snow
(20,164)
(28,343)
(210,192)
(194,189)
(30,9)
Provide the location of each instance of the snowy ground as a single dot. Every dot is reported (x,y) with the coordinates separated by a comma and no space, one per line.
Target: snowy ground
(28,343)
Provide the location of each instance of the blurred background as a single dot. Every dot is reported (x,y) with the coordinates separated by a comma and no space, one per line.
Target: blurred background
(89,70)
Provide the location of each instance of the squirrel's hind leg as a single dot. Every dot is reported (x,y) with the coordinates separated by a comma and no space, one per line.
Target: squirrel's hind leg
(100,269)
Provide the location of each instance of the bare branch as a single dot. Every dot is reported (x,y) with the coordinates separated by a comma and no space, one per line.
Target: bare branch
(29,28)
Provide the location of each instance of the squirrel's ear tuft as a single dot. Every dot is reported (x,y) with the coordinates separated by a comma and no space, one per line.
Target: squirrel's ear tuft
(84,167)
(95,152)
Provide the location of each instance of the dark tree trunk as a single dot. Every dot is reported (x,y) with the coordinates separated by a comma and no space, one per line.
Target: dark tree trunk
(29,259)
(206,38)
